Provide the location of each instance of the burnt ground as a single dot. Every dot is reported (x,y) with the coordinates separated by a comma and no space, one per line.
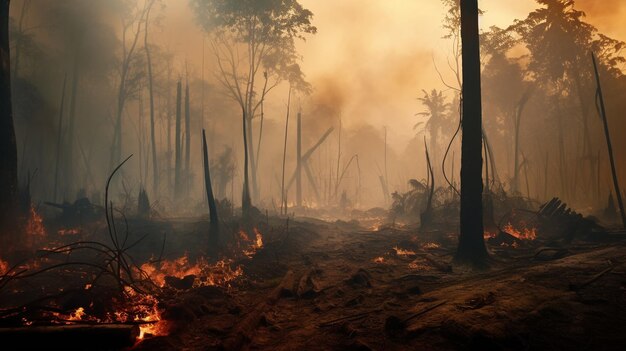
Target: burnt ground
(338,286)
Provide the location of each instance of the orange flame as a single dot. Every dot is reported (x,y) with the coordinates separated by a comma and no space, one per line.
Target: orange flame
(4,267)
(34,226)
(219,273)
(379,260)
(524,234)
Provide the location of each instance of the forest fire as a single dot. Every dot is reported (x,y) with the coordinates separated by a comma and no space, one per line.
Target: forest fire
(204,175)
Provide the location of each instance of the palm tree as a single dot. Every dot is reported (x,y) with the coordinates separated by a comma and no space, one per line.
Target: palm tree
(437,119)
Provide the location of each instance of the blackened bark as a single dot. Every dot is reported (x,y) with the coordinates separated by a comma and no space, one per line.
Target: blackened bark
(8,147)
(213,216)
(299,163)
(471,249)
(187,137)
(155,168)
(177,144)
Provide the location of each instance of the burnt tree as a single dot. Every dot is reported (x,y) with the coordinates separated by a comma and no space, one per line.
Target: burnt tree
(214,226)
(8,148)
(471,249)
(177,143)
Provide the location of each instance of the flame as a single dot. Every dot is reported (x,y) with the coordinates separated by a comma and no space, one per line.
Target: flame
(35,226)
(77,315)
(403,252)
(429,246)
(524,234)
(379,260)
(418,265)
(69,231)
(219,273)
(257,244)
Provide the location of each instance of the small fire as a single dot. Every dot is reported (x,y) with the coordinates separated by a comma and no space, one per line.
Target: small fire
(524,234)
(70,231)
(257,243)
(430,246)
(77,315)
(34,226)
(379,260)
(219,273)
(403,252)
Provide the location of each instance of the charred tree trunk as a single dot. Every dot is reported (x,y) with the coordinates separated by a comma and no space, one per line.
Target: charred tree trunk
(187,137)
(246,203)
(299,162)
(471,249)
(69,153)
(59,140)
(155,167)
(602,110)
(213,216)
(18,42)
(518,121)
(283,197)
(177,142)
(8,147)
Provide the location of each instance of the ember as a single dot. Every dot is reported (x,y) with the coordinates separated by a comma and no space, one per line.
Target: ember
(4,267)
(430,246)
(403,252)
(219,273)
(70,231)
(379,260)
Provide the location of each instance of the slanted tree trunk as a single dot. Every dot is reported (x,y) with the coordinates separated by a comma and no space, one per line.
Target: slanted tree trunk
(155,167)
(8,147)
(602,111)
(471,249)
(187,137)
(177,144)
(283,197)
(213,216)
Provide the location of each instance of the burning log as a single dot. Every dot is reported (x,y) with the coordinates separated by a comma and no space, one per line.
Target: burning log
(72,337)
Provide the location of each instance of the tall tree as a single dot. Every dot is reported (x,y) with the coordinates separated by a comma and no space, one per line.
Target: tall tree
(252,38)
(438,119)
(177,142)
(471,249)
(8,148)
(155,167)
(187,137)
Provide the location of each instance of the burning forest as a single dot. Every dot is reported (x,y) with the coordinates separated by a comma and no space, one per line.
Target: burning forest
(310,175)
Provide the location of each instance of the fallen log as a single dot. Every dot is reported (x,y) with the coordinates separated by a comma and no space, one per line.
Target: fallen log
(70,337)
(243,332)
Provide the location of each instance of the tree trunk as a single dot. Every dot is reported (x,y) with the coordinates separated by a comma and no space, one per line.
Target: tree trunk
(609,145)
(187,137)
(246,203)
(69,153)
(155,167)
(59,140)
(8,147)
(213,216)
(177,142)
(299,162)
(283,197)
(471,249)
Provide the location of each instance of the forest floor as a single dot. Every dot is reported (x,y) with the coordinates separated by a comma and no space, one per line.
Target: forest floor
(339,286)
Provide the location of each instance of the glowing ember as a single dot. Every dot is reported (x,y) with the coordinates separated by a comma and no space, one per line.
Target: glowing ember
(219,273)
(70,231)
(430,246)
(379,260)
(418,265)
(488,235)
(524,234)
(4,267)
(34,226)
(259,238)
(403,252)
